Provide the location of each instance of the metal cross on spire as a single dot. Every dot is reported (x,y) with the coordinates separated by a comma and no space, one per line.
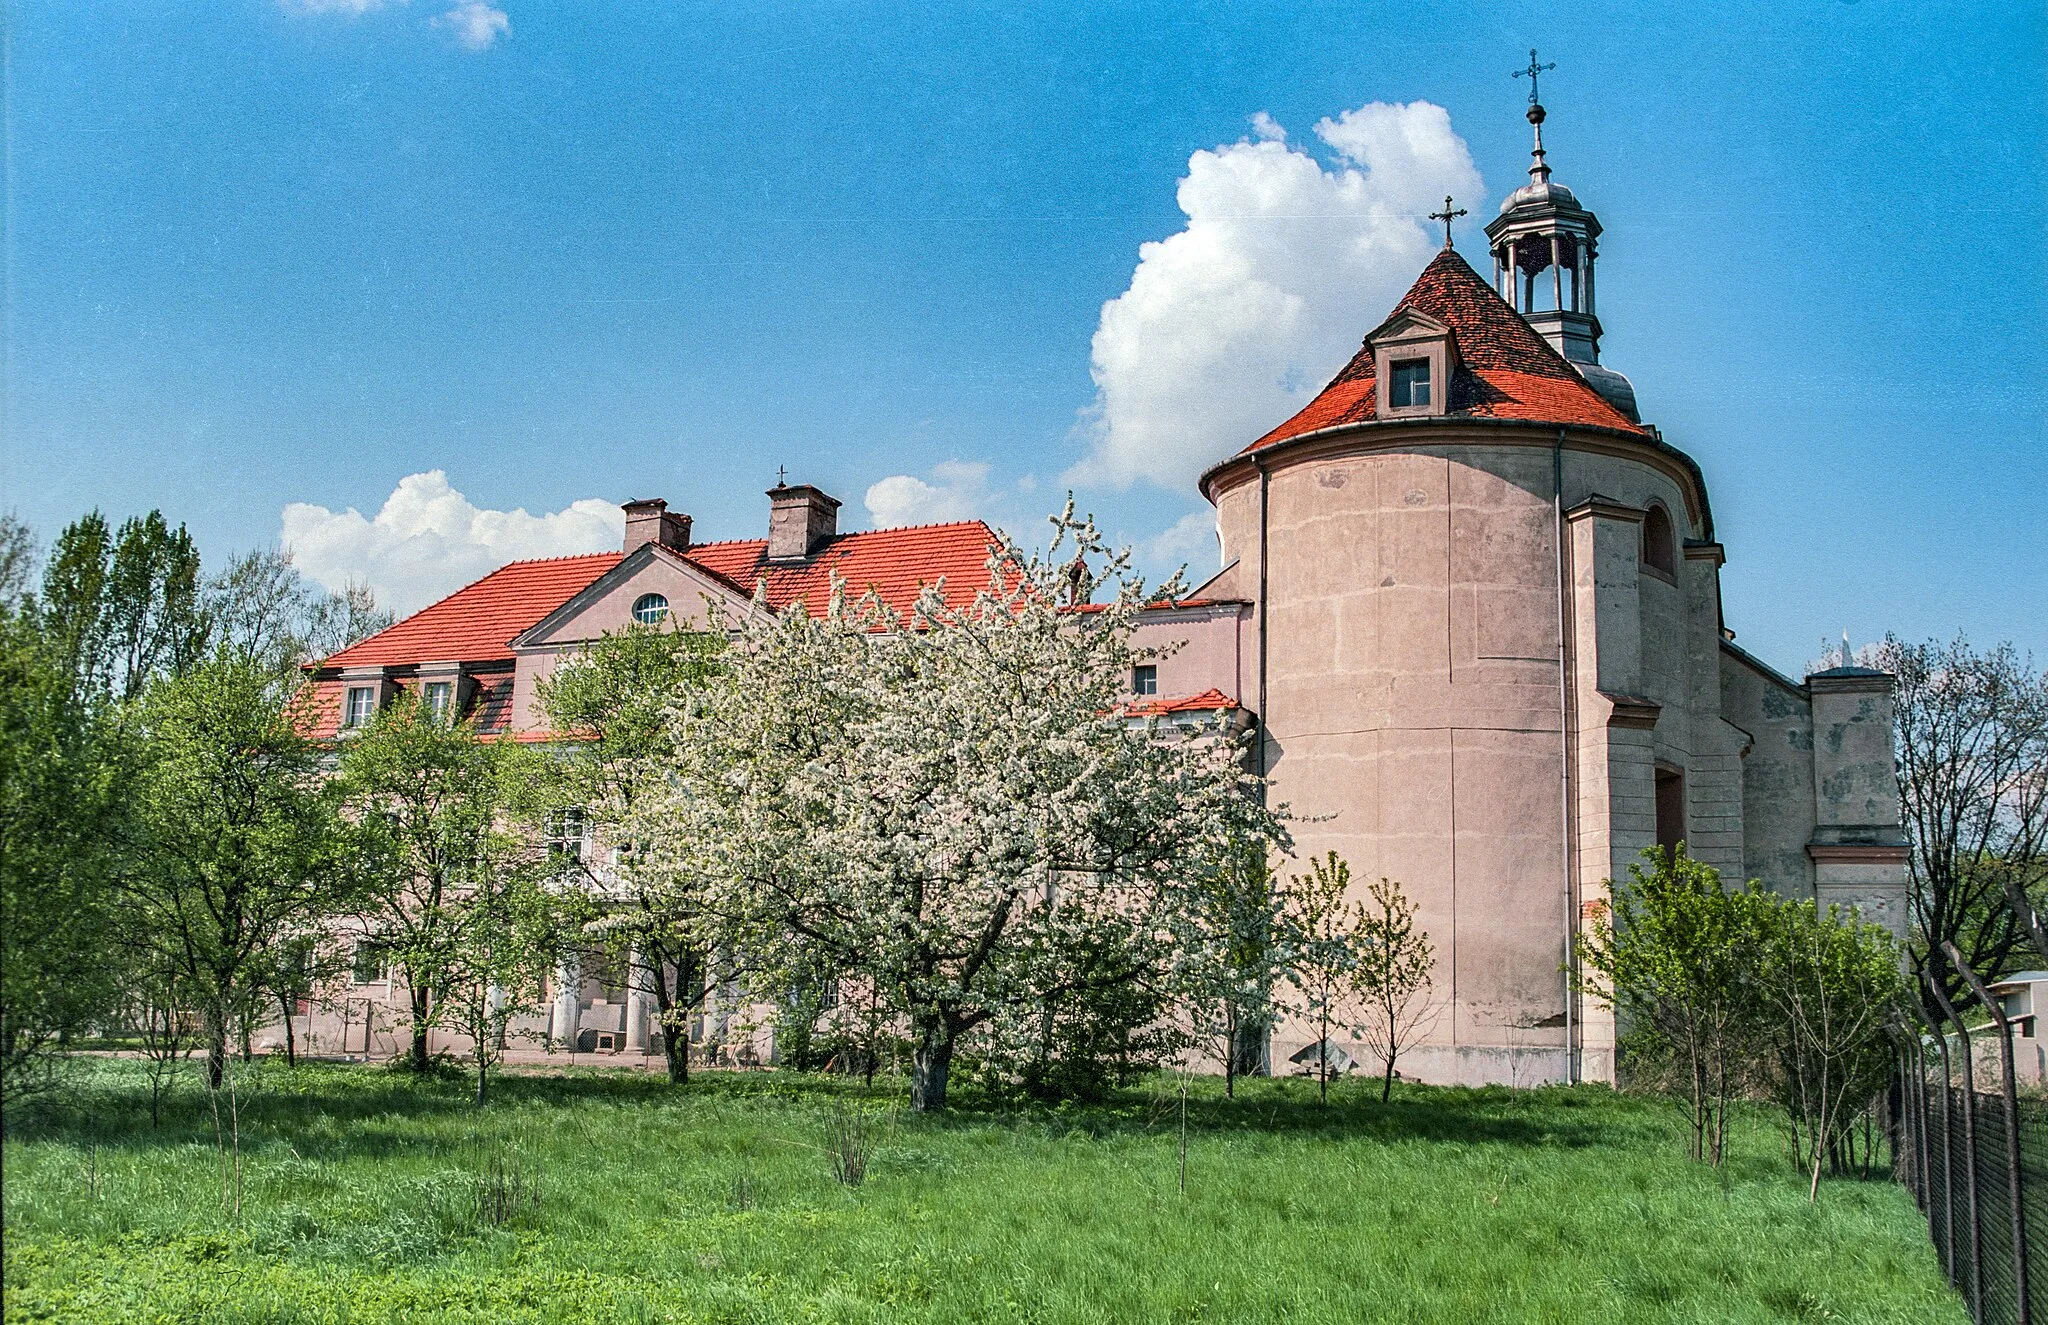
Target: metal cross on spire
(1447,216)
(781,476)
(1532,71)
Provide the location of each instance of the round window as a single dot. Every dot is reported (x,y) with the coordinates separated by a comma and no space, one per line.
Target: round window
(649,608)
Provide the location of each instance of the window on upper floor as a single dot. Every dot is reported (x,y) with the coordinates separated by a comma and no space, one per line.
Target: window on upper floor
(649,609)
(1660,552)
(361,706)
(368,964)
(440,700)
(564,832)
(1145,680)
(1410,389)
(1670,789)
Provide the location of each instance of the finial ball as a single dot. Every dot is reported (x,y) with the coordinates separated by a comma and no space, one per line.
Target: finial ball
(1535,114)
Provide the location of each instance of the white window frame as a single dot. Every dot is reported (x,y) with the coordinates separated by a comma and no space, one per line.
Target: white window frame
(353,716)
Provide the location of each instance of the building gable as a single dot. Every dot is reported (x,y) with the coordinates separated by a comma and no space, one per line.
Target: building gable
(695,597)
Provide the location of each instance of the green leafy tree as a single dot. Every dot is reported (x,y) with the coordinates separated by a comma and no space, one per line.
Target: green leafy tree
(1248,943)
(1326,923)
(235,841)
(1675,960)
(1392,979)
(260,603)
(425,798)
(124,605)
(61,818)
(1831,986)
(612,703)
(494,966)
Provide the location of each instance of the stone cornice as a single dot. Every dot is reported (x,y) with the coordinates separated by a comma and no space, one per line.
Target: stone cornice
(1847,853)
(1632,711)
(1605,508)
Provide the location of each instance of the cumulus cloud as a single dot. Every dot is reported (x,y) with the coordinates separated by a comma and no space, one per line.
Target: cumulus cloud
(1238,320)
(1190,541)
(957,490)
(429,540)
(474,24)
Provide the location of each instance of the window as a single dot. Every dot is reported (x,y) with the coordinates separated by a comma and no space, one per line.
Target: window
(440,699)
(1670,808)
(362,706)
(649,609)
(565,834)
(366,967)
(1658,552)
(1411,384)
(1145,680)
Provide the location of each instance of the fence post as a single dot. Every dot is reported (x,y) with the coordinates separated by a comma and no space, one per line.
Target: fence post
(1948,1163)
(2010,1097)
(1969,1152)
(1926,1160)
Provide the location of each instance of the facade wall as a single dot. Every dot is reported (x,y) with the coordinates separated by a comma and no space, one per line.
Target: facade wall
(1413,719)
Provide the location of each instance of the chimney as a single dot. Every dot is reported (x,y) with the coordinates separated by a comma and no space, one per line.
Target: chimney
(649,521)
(800,519)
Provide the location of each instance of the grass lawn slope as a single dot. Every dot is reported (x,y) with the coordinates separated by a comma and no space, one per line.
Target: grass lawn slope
(717,1203)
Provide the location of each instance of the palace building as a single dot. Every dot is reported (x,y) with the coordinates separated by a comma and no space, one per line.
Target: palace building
(1469,604)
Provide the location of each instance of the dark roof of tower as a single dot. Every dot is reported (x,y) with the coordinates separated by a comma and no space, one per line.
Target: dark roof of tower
(1506,370)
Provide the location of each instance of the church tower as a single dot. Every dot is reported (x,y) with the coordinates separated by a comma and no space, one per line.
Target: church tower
(1545,246)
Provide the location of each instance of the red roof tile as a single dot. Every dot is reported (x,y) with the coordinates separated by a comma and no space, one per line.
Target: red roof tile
(895,563)
(474,623)
(1209,701)
(1506,369)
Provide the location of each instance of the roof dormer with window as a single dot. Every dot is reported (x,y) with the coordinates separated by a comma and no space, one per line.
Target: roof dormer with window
(1414,356)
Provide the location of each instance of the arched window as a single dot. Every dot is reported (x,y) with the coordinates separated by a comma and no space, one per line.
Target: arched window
(1658,552)
(649,609)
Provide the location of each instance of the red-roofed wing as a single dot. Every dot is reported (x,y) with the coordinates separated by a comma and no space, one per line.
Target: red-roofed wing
(474,624)
(895,563)
(1506,369)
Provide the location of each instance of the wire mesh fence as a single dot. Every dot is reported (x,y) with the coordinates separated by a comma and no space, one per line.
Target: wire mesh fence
(1976,1161)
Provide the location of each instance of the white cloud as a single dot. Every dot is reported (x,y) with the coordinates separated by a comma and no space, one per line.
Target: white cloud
(958,490)
(429,540)
(1190,541)
(475,24)
(1237,321)
(333,6)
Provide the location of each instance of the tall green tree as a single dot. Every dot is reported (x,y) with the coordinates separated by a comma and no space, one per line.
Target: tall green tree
(1326,924)
(1392,980)
(124,605)
(61,818)
(235,845)
(425,798)
(1249,944)
(259,602)
(611,703)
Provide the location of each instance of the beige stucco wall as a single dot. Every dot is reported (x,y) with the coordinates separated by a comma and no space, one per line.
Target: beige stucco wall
(1413,718)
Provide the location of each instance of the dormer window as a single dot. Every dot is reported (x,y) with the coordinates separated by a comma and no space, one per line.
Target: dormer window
(649,609)
(362,706)
(440,698)
(1410,388)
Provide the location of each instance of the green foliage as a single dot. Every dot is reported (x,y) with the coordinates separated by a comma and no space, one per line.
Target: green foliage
(261,605)
(1229,997)
(436,862)
(1392,979)
(60,819)
(1445,1207)
(1325,923)
(235,833)
(124,607)
(1740,990)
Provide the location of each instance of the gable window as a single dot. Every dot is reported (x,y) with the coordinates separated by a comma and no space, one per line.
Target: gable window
(362,706)
(440,699)
(649,609)
(1659,554)
(1411,384)
(1145,680)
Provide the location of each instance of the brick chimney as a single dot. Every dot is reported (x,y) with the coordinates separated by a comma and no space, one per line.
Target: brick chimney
(800,519)
(650,521)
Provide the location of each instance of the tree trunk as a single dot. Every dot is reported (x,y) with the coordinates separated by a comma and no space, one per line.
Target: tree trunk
(291,1047)
(216,1048)
(483,1071)
(418,1058)
(930,1062)
(1250,1040)
(1387,1081)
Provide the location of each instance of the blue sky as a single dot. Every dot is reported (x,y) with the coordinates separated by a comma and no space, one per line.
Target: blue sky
(261,254)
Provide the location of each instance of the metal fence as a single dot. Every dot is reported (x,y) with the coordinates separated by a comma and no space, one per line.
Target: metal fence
(1976,1160)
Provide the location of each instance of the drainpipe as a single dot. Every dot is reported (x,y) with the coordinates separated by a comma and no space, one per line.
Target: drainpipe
(1564,726)
(1265,482)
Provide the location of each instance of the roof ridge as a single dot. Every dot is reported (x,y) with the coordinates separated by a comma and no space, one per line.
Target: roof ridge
(859,533)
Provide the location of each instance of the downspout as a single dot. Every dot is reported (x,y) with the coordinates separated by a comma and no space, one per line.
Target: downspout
(1264,486)
(1566,781)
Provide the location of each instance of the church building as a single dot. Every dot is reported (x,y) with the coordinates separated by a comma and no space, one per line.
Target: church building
(1469,607)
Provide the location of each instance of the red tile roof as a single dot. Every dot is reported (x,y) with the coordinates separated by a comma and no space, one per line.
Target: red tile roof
(895,563)
(1209,701)
(474,623)
(1506,369)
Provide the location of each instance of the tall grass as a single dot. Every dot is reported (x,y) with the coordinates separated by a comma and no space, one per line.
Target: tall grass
(710,1203)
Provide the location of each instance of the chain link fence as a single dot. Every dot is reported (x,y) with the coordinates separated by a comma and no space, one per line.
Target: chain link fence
(1976,1161)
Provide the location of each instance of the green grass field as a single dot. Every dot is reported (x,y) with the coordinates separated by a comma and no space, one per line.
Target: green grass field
(717,1203)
